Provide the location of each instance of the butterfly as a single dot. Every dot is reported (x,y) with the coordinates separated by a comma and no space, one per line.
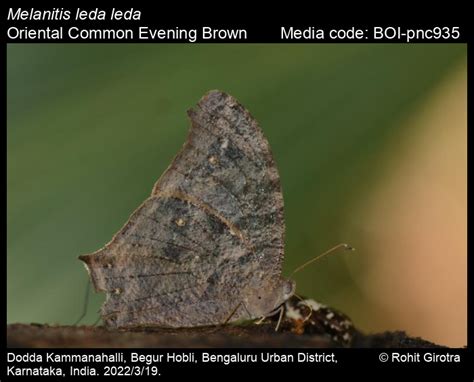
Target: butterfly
(207,246)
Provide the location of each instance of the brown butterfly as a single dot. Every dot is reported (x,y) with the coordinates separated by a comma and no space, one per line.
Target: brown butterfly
(207,246)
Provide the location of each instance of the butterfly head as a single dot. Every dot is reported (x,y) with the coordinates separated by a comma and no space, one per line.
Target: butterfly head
(266,299)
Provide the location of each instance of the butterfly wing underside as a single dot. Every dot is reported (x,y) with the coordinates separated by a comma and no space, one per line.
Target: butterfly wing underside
(212,228)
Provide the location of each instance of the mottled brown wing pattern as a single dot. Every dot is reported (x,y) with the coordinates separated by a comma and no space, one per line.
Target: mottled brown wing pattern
(226,163)
(212,228)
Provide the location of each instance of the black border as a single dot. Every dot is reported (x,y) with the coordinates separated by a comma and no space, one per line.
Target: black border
(350,359)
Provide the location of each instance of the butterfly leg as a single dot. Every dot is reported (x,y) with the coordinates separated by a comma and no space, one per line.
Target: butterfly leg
(279,310)
(86,303)
(97,321)
(232,313)
(260,320)
(226,321)
(219,326)
(280,317)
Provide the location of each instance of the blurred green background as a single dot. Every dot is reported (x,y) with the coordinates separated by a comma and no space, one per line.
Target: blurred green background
(92,127)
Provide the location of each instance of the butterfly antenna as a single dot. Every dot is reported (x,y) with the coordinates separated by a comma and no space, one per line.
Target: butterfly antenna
(331,250)
(86,303)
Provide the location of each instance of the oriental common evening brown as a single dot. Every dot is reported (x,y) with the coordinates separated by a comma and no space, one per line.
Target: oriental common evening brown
(207,246)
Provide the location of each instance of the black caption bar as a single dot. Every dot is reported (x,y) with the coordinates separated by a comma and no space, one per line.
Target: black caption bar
(141,25)
(162,362)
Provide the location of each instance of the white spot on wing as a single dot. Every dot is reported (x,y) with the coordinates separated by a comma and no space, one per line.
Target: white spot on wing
(180,222)
(212,159)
